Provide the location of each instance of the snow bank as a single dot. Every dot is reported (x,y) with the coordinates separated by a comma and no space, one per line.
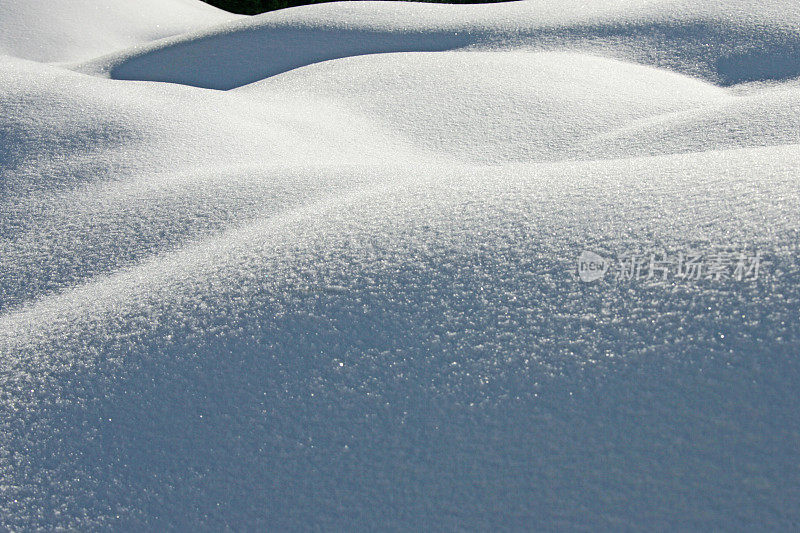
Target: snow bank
(343,294)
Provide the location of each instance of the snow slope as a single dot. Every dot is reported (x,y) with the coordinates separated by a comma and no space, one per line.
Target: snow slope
(326,278)
(81,29)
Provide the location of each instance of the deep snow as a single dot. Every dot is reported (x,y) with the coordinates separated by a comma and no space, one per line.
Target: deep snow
(341,293)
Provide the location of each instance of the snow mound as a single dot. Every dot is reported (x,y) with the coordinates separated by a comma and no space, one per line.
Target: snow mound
(768,118)
(496,106)
(725,42)
(74,30)
(425,329)
(125,127)
(342,293)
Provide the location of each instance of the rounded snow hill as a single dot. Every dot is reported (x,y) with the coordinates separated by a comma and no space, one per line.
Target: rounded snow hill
(60,128)
(75,30)
(767,117)
(722,42)
(424,340)
(495,106)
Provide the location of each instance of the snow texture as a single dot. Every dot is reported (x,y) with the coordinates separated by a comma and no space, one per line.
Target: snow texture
(316,269)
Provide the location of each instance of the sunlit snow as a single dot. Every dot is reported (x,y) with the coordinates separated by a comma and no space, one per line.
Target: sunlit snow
(316,269)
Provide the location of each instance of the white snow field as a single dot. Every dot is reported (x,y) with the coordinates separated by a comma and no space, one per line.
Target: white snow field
(317,269)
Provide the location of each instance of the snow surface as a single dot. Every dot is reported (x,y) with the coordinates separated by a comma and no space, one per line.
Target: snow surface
(325,279)
(73,30)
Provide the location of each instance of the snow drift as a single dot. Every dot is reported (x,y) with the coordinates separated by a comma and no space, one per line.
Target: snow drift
(325,278)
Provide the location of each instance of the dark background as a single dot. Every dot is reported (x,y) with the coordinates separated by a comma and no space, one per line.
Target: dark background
(253,7)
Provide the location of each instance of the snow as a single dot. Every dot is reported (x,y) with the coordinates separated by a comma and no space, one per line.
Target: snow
(326,277)
(77,30)
(723,41)
(490,106)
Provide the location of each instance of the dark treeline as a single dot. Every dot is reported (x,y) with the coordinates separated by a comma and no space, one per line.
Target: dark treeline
(254,7)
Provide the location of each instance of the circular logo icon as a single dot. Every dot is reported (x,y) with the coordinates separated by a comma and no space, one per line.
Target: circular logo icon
(591,266)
